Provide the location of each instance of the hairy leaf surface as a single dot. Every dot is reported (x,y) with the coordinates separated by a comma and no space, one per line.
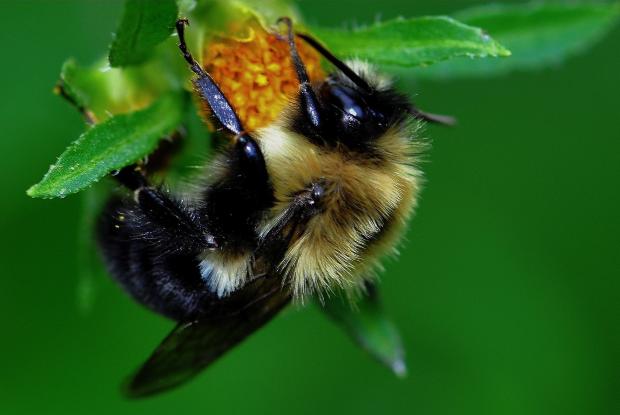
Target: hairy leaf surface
(145,24)
(411,42)
(537,34)
(110,145)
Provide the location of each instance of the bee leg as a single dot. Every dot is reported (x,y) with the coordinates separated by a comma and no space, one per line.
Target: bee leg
(309,101)
(208,90)
(249,177)
(177,225)
(233,204)
(275,239)
(251,163)
(151,246)
(250,157)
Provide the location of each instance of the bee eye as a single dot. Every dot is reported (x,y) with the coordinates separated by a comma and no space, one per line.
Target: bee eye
(348,101)
(352,114)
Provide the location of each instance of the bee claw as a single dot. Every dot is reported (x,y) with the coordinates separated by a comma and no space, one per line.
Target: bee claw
(211,242)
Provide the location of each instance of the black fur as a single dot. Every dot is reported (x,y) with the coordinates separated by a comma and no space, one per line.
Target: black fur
(151,244)
(148,264)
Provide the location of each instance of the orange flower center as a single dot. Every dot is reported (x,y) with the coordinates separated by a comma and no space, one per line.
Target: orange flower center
(257,75)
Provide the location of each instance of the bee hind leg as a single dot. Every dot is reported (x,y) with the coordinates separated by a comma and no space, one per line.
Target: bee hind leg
(178,222)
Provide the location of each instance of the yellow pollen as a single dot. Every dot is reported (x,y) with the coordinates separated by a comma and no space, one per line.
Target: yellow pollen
(257,75)
(261,80)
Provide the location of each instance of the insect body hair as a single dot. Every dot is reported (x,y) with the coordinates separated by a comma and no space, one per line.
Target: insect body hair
(366,207)
(370,192)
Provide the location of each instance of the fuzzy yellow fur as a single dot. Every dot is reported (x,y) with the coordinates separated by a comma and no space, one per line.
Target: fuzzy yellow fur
(364,200)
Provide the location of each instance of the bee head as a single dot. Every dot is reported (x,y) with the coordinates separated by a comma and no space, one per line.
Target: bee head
(356,116)
(348,107)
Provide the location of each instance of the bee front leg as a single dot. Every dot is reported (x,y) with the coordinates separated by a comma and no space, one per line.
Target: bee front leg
(276,237)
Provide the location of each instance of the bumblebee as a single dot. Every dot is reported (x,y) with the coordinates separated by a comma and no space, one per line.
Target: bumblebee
(303,206)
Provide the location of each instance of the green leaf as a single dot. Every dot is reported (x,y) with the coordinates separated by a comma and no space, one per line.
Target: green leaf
(111,145)
(538,35)
(268,11)
(370,328)
(186,7)
(411,42)
(69,73)
(106,91)
(230,18)
(145,23)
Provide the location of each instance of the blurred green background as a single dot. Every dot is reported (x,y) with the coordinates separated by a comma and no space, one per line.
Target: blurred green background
(506,292)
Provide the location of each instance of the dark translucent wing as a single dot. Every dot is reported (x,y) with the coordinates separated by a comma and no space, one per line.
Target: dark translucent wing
(193,346)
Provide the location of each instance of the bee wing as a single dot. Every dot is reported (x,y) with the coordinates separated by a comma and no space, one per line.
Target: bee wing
(192,346)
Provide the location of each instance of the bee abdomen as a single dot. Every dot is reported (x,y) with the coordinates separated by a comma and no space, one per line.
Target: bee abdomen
(165,281)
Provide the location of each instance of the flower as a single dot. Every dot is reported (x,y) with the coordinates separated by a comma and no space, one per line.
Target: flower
(256,73)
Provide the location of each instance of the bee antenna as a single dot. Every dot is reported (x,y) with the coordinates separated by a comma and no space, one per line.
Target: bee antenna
(309,100)
(343,67)
(361,82)
(434,118)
